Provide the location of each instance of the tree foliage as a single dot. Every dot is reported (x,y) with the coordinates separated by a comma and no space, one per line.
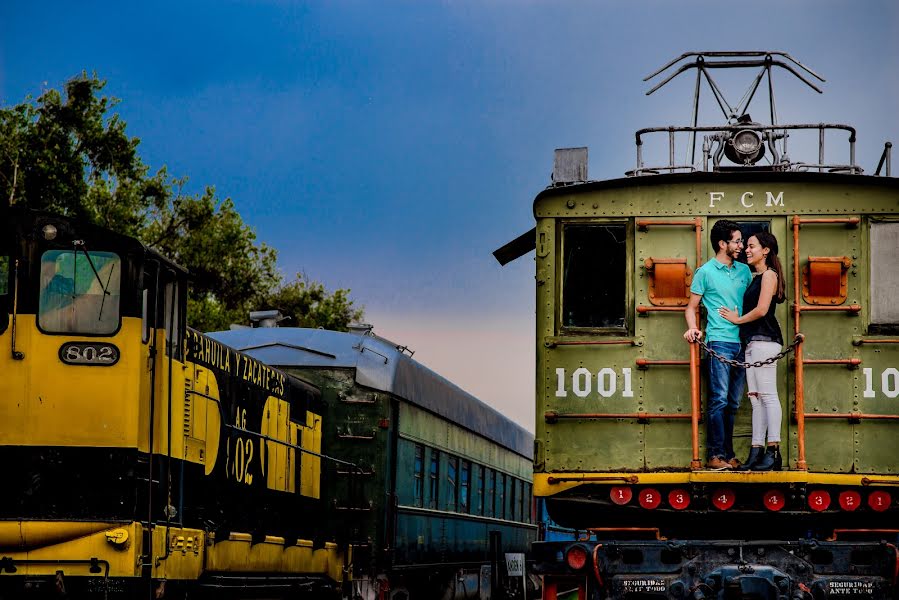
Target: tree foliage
(306,303)
(66,153)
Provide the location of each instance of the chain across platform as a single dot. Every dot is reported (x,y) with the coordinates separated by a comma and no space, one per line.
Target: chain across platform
(759,363)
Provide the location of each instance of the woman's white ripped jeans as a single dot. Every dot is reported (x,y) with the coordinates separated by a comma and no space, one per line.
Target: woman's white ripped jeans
(762,385)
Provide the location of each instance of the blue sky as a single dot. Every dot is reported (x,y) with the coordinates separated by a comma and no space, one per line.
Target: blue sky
(389,147)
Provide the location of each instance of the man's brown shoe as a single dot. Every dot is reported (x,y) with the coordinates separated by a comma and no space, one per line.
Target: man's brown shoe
(735,463)
(717,463)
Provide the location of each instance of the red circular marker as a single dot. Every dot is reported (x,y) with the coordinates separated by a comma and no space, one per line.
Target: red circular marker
(723,498)
(621,495)
(849,500)
(679,499)
(576,557)
(880,501)
(819,500)
(649,498)
(774,500)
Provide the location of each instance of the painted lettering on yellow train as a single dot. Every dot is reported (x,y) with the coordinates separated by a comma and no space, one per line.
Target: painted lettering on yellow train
(262,375)
(239,453)
(218,356)
(284,454)
(208,351)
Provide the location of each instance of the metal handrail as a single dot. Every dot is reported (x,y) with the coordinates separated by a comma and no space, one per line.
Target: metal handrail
(852,167)
(884,159)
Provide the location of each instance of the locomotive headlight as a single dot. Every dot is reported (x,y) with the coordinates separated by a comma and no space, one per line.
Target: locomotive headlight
(745,147)
(49,232)
(747,142)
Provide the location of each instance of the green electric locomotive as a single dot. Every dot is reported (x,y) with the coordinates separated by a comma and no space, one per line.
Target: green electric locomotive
(620,446)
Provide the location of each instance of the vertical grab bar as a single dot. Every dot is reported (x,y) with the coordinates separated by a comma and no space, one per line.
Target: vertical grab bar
(16,354)
(798,396)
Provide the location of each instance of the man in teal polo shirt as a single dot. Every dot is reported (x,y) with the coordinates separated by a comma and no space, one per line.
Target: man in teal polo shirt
(721,282)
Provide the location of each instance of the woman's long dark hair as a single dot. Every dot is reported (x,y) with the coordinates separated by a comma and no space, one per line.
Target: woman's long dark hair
(767,240)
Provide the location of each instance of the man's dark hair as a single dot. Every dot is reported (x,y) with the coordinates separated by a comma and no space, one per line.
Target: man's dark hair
(722,232)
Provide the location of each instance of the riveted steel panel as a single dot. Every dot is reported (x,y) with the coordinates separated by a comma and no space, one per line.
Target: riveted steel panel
(597,443)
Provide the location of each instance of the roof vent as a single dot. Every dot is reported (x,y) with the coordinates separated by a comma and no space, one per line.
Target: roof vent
(360,328)
(570,166)
(266,318)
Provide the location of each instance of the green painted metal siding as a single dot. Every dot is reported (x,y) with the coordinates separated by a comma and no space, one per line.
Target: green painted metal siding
(832,445)
(432,539)
(352,433)
(418,425)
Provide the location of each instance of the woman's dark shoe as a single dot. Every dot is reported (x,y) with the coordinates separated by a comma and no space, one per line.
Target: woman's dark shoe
(771,461)
(755,455)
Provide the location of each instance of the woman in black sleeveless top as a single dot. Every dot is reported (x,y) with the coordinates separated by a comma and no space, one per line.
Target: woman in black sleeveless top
(762,339)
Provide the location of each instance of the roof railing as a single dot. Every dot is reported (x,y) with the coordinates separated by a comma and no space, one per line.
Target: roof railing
(714,147)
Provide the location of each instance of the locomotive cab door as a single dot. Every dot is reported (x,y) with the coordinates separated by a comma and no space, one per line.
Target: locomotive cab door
(743,423)
(668,252)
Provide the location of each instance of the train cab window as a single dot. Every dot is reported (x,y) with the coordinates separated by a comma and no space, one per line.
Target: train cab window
(5,305)
(418,472)
(79,292)
(464,486)
(172,318)
(884,278)
(594,276)
(4,275)
(145,316)
(452,466)
(749,229)
(434,479)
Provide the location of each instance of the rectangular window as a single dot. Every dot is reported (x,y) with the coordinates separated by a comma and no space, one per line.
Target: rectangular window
(501,496)
(172,318)
(80,292)
(747,230)
(513,504)
(464,478)
(490,494)
(522,507)
(4,275)
(145,316)
(884,278)
(434,481)
(418,473)
(479,503)
(526,497)
(594,276)
(452,465)
(5,302)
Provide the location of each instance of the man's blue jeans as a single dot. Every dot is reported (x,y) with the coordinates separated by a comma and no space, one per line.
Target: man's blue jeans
(726,385)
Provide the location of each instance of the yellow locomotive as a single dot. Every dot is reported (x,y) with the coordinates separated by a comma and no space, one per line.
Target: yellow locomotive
(139,456)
